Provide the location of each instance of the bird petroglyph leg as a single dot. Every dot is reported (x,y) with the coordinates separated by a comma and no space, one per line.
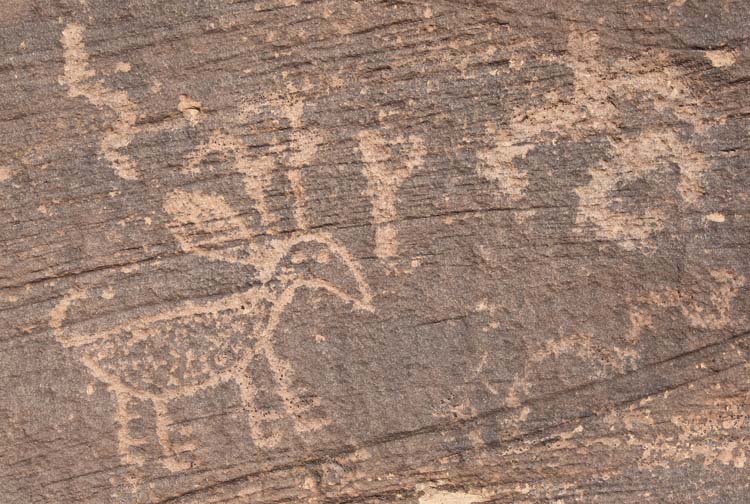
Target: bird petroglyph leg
(125,442)
(262,424)
(162,432)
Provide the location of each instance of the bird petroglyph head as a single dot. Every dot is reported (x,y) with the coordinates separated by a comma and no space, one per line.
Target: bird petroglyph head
(316,261)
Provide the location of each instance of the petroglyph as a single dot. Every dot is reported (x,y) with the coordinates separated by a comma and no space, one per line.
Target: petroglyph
(634,156)
(705,436)
(81,80)
(57,315)
(166,354)
(257,172)
(709,309)
(194,346)
(712,312)
(303,148)
(5,173)
(206,225)
(295,179)
(191,109)
(258,169)
(584,347)
(385,173)
(721,58)
(432,495)
(584,351)
(591,111)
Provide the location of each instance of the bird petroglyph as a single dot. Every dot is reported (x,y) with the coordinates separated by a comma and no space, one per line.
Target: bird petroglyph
(209,343)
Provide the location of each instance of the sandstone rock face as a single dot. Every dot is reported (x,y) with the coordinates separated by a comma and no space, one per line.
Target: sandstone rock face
(331,251)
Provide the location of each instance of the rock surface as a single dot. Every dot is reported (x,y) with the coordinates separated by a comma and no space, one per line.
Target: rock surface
(330,251)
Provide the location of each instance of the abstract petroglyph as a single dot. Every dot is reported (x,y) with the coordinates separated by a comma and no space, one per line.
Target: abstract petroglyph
(81,81)
(498,165)
(706,311)
(385,173)
(596,83)
(591,111)
(257,169)
(712,312)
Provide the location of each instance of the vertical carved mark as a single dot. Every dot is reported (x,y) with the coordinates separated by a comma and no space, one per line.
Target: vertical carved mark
(384,178)
(125,442)
(295,179)
(257,176)
(304,147)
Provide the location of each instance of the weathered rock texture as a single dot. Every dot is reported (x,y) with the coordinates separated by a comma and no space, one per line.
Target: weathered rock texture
(332,251)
